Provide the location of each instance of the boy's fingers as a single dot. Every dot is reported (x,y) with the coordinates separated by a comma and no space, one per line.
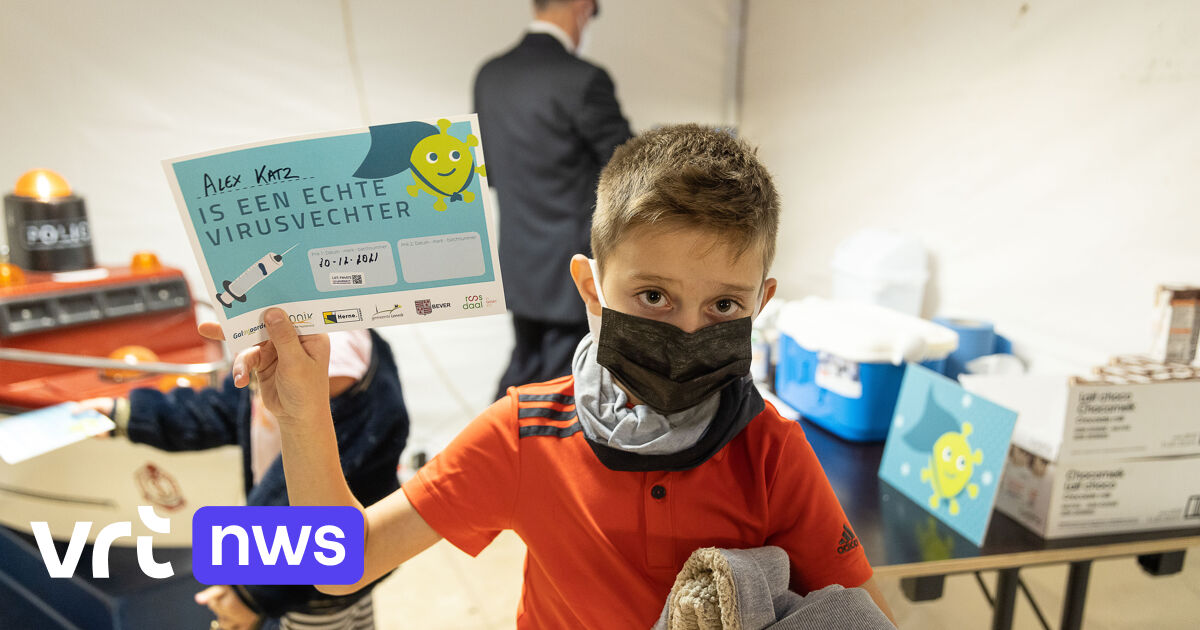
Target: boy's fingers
(244,363)
(211,330)
(207,594)
(267,354)
(283,335)
(316,346)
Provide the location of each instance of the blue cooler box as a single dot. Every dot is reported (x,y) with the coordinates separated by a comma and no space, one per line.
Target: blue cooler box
(840,363)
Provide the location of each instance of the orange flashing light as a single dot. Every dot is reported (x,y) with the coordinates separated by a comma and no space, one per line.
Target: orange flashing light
(132,355)
(11,275)
(145,262)
(167,382)
(42,183)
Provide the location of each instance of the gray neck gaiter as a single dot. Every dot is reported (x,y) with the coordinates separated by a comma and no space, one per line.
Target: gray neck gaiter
(607,419)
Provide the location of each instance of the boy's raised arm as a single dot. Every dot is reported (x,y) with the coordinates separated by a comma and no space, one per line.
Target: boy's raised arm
(293,377)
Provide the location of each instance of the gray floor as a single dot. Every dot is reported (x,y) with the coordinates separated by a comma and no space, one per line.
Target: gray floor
(449,371)
(444,588)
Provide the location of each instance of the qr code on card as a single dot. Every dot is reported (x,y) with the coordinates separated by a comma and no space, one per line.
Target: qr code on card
(347,279)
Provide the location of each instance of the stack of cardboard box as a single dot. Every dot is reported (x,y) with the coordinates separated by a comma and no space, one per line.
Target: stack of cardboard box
(1114,452)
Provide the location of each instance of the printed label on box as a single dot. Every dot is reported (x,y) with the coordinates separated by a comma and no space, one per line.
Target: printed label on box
(1088,498)
(1133,420)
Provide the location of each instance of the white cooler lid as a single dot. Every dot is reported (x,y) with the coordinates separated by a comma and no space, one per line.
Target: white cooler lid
(865,333)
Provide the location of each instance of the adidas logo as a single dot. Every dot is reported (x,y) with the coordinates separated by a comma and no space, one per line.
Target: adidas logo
(849,540)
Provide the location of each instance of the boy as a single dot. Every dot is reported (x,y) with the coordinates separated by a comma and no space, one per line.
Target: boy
(656,445)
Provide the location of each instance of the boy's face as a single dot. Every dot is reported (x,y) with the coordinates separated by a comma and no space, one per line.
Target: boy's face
(686,277)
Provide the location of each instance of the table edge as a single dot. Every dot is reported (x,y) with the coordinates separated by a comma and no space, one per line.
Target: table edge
(1041,556)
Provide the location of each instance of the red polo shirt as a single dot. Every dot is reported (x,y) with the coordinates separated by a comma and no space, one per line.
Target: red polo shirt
(604,546)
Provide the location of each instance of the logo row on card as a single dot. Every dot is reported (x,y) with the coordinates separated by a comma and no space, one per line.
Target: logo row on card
(382,312)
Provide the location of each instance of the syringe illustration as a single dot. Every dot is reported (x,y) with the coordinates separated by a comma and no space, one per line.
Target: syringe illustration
(237,288)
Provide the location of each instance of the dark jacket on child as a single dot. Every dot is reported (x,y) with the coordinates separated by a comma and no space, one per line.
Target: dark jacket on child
(369,419)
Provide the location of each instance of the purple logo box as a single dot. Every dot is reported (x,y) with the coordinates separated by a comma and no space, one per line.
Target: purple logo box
(277,545)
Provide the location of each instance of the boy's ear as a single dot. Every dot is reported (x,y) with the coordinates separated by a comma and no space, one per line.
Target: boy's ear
(769,286)
(581,273)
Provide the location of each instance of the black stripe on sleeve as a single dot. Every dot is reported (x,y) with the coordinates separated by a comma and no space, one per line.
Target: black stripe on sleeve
(550,430)
(544,412)
(561,399)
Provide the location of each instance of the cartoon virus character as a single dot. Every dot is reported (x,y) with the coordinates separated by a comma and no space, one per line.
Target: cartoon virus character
(951,460)
(442,165)
(950,468)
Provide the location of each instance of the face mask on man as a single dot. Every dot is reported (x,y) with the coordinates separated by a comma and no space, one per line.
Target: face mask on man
(663,366)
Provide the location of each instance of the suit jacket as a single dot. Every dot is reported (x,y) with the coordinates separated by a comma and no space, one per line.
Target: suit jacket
(550,121)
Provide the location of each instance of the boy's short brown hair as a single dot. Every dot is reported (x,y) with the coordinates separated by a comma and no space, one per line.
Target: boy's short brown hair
(687,175)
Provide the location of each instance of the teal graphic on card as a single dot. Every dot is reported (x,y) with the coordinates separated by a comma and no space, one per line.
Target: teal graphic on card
(946,450)
(391,208)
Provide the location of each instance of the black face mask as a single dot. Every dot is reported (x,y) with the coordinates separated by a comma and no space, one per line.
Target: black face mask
(666,368)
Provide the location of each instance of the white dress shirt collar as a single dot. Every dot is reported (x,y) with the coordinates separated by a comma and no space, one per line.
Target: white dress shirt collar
(548,28)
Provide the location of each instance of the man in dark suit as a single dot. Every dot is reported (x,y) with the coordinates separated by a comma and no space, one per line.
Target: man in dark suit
(550,121)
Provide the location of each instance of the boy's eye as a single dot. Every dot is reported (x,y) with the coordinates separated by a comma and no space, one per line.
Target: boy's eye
(652,298)
(725,306)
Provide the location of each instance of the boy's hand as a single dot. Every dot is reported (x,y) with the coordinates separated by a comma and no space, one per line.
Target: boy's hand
(293,370)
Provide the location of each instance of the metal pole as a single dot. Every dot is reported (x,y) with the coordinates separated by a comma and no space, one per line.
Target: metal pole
(78,360)
(1006,599)
(1076,595)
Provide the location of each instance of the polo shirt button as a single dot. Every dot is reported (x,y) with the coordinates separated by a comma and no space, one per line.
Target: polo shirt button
(658,492)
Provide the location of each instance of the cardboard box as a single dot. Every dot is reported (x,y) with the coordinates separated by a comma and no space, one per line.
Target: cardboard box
(1176,323)
(1089,497)
(1061,420)
(1092,457)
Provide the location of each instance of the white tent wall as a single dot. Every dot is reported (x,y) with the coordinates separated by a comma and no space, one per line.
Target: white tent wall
(103,91)
(1044,151)
(667,57)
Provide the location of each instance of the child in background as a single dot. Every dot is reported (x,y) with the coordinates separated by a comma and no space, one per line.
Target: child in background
(371,426)
(656,445)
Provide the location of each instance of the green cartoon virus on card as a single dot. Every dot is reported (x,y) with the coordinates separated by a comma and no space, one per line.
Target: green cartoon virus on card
(952,462)
(442,165)
(950,468)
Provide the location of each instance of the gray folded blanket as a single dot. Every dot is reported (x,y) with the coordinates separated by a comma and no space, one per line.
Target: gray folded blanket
(747,589)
